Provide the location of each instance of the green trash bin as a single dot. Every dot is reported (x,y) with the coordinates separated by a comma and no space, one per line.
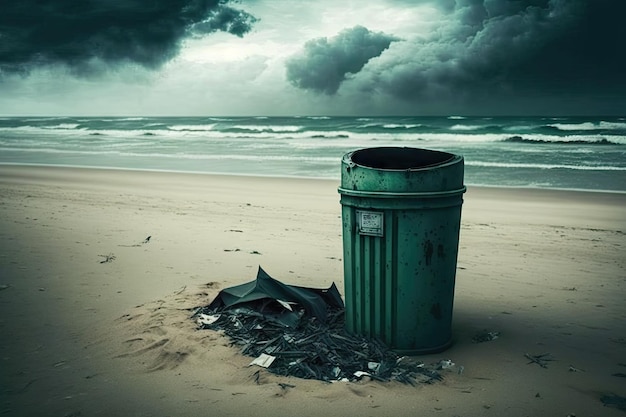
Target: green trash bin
(401,214)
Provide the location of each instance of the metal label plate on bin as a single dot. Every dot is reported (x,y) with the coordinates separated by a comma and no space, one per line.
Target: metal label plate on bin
(369,223)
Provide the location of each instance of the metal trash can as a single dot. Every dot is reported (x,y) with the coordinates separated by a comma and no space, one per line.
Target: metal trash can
(401,214)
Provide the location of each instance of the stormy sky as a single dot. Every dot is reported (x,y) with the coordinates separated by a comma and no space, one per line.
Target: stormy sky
(325,57)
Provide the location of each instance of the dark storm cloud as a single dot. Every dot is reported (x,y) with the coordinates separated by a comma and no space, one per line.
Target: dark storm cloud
(84,33)
(325,63)
(502,52)
(495,50)
(225,19)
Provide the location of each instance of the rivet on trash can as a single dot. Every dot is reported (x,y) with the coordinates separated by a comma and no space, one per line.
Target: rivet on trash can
(401,211)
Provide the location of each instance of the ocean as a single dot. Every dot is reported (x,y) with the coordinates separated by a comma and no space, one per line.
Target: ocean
(582,153)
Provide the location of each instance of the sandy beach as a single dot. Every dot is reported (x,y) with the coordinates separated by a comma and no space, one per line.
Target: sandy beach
(95,317)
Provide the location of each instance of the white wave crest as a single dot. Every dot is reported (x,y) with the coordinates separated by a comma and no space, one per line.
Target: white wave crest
(193,128)
(590,126)
(63,126)
(466,127)
(400,126)
(542,166)
(268,128)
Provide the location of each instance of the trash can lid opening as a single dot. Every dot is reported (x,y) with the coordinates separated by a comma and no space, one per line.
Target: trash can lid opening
(397,158)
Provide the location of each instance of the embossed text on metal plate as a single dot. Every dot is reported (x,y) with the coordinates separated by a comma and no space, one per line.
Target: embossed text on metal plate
(369,223)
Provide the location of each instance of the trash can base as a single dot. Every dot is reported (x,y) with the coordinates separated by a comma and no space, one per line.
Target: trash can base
(423,351)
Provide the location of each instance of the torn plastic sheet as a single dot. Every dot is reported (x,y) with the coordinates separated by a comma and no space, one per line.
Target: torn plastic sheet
(267,295)
(307,340)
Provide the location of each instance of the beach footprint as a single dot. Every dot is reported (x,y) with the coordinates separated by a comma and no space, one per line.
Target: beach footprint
(160,334)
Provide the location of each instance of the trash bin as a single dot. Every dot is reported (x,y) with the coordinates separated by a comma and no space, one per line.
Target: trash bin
(401,214)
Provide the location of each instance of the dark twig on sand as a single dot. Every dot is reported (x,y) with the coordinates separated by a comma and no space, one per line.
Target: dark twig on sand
(541,360)
(107,258)
(136,245)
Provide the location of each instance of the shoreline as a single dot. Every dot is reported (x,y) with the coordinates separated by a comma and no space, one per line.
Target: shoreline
(544,268)
(294,177)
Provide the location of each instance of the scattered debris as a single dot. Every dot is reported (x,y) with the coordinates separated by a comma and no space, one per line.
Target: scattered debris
(612,400)
(297,331)
(257,377)
(314,350)
(143,242)
(4,287)
(206,319)
(254,252)
(264,360)
(107,258)
(572,369)
(541,360)
(485,336)
(448,364)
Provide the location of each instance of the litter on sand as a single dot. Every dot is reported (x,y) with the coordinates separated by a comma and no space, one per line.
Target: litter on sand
(298,331)
(541,360)
(264,361)
(485,336)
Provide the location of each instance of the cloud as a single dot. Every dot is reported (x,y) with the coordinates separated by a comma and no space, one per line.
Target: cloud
(88,35)
(498,48)
(225,19)
(497,54)
(325,63)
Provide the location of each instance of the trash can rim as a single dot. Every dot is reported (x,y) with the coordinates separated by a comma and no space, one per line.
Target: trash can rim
(445,158)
